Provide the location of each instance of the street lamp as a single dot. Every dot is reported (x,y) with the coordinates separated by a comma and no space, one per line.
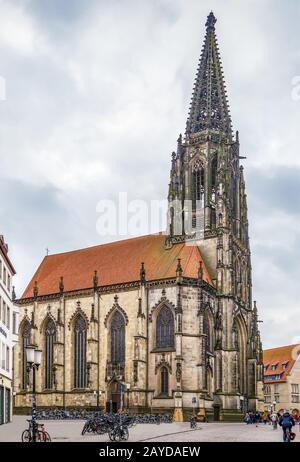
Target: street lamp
(194,401)
(33,359)
(128,389)
(242,403)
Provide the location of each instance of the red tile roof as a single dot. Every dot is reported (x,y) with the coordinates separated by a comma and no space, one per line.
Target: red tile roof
(279,356)
(116,262)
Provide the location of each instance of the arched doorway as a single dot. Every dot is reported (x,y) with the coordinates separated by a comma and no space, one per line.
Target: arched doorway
(115,397)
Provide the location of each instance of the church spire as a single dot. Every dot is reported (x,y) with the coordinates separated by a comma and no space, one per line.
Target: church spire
(209,108)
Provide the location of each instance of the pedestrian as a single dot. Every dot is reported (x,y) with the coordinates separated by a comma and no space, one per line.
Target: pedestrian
(286,421)
(274,420)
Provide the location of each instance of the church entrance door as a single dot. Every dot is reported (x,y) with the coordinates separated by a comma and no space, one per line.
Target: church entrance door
(114,404)
(216,413)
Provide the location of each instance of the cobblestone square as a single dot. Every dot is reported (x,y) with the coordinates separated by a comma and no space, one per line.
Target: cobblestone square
(70,431)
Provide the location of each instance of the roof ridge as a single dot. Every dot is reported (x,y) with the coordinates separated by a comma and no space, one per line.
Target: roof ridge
(281,347)
(160,233)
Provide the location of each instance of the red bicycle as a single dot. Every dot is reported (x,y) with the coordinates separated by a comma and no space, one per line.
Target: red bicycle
(42,436)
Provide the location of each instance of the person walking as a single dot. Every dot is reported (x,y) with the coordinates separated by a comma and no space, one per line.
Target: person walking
(286,421)
(274,420)
(265,417)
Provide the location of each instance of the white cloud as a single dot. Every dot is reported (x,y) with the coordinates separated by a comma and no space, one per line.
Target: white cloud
(96,97)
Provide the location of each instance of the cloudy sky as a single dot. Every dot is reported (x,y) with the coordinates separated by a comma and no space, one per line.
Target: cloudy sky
(96,93)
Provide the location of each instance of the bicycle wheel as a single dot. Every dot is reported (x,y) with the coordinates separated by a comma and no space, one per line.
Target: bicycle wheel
(47,438)
(85,428)
(118,435)
(112,435)
(125,434)
(26,436)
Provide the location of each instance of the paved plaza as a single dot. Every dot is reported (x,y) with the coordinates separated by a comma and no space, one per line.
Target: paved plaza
(70,430)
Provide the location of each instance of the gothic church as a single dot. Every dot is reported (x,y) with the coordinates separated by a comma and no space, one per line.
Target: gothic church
(168,318)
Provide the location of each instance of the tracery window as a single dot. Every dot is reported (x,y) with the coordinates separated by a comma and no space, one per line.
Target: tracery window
(25,343)
(117,335)
(80,331)
(165,328)
(164,381)
(197,186)
(50,335)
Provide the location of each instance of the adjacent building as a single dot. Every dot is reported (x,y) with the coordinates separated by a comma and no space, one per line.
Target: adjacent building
(282,379)
(8,332)
(167,318)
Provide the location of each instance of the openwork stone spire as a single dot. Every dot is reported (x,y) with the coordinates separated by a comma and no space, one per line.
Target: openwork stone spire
(209,108)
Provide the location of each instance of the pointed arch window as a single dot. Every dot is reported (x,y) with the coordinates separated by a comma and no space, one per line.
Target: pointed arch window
(80,334)
(25,343)
(50,336)
(165,328)
(207,332)
(164,381)
(197,186)
(214,165)
(117,336)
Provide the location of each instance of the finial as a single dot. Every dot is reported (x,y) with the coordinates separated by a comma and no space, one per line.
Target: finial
(211,21)
(78,304)
(95,281)
(179,141)
(200,271)
(116,298)
(142,274)
(61,285)
(13,295)
(179,271)
(59,316)
(35,290)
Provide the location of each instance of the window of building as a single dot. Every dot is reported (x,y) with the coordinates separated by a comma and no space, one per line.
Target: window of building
(295,388)
(50,334)
(164,377)
(285,365)
(165,328)
(267,390)
(14,323)
(4,275)
(3,312)
(274,367)
(8,317)
(117,338)
(25,343)
(8,282)
(7,359)
(197,187)
(80,330)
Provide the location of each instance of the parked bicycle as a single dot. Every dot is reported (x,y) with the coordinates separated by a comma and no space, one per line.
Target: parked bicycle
(42,436)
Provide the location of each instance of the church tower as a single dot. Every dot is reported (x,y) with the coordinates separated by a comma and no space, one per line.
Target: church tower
(208,208)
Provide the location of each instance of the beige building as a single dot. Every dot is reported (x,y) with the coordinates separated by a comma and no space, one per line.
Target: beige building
(282,379)
(8,332)
(169,318)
